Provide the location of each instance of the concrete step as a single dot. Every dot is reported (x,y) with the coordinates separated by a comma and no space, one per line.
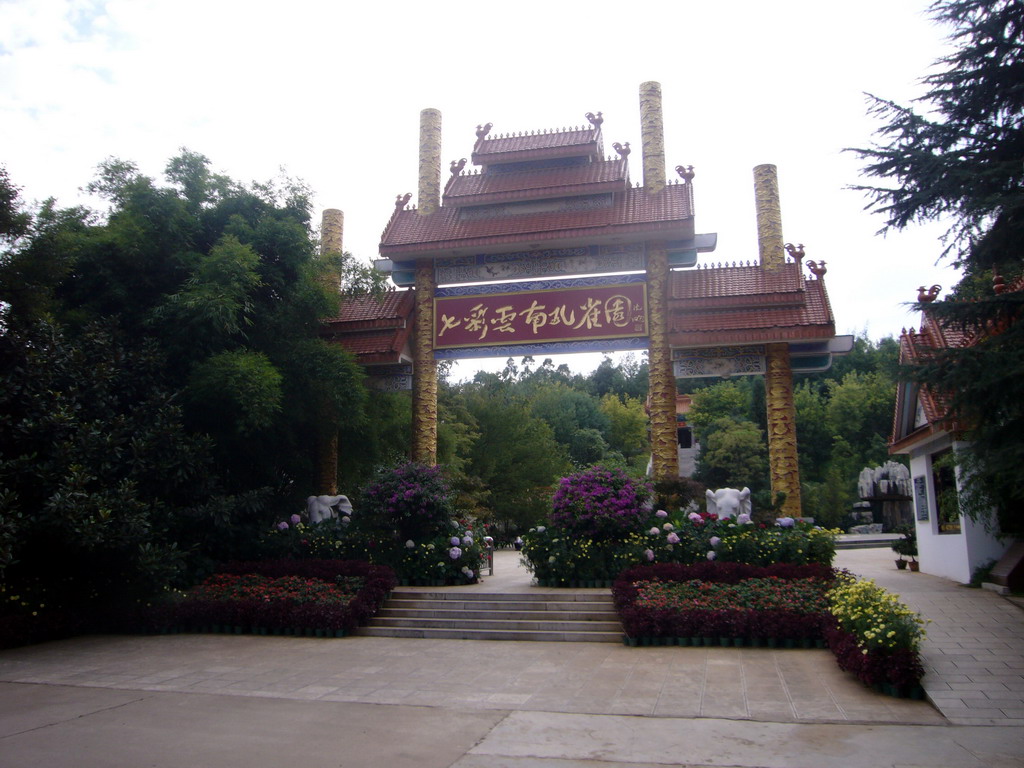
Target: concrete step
(503,605)
(491,634)
(565,596)
(472,622)
(396,610)
(570,616)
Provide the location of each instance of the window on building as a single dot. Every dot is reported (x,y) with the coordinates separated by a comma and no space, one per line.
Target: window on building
(946,497)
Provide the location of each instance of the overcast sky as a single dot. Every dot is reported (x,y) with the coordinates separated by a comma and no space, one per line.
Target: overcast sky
(332,92)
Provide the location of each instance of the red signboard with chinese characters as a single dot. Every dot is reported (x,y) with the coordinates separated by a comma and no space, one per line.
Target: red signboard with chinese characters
(608,311)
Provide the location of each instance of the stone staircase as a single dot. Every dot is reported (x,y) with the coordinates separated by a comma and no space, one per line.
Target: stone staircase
(570,616)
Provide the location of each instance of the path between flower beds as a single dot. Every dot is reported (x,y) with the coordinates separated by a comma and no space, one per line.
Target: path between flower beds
(973,652)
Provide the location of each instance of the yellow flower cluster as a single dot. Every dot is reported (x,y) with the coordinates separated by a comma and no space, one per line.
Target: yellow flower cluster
(876,617)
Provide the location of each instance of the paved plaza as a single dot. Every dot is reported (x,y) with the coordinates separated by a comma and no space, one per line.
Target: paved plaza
(209,700)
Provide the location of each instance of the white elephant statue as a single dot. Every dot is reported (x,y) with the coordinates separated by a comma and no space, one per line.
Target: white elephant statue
(728,502)
(320,508)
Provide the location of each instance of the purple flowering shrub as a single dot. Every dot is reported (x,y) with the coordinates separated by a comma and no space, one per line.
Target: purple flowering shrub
(600,504)
(413,500)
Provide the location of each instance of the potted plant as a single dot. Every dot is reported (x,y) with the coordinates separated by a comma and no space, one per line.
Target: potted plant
(907,545)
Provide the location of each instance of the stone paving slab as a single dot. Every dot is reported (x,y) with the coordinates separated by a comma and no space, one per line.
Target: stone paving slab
(531,740)
(798,685)
(58,727)
(973,653)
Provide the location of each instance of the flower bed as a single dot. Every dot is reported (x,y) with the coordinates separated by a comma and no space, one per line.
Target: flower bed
(321,597)
(724,604)
(560,558)
(407,523)
(875,637)
(868,630)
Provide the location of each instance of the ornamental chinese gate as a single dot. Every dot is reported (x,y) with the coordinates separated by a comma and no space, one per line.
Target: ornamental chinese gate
(548,205)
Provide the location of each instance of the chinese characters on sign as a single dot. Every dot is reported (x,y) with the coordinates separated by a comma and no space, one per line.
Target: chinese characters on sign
(588,312)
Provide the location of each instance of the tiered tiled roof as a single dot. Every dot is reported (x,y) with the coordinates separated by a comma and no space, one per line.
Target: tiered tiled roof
(545,145)
(376,331)
(489,188)
(916,347)
(720,306)
(632,215)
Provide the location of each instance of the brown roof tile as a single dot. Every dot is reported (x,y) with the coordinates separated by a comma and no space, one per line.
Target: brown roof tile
(487,188)
(743,285)
(669,212)
(374,330)
(535,146)
(691,326)
(392,306)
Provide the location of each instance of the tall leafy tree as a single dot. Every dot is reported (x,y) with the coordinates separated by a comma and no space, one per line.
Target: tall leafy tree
(160,363)
(958,160)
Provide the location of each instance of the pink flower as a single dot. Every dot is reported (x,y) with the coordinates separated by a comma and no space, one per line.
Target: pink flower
(296,519)
(282,526)
(649,554)
(711,555)
(695,518)
(654,532)
(715,541)
(661,513)
(672,538)
(454,553)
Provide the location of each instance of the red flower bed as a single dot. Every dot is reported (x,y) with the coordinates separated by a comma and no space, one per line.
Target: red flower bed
(328,595)
(779,602)
(900,671)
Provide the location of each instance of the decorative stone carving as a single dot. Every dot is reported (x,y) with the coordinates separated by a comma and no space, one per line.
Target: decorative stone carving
(320,508)
(729,502)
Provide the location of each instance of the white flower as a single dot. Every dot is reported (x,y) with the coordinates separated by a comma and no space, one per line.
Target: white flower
(410,544)
(668,527)
(711,555)
(541,529)
(551,559)
(743,519)
(715,541)
(654,531)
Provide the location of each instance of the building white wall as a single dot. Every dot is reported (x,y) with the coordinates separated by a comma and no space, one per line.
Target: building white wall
(951,555)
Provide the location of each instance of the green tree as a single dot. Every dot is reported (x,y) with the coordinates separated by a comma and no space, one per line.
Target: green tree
(958,160)
(859,411)
(515,456)
(724,399)
(627,425)
(223,279)
(734,454)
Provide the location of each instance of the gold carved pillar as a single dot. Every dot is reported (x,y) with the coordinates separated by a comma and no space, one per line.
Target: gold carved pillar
(652,136)
(662,387)
(769,217)
(332,225)
(424,373)
(429,187)
(782,453)
(778,380)
(424,380)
